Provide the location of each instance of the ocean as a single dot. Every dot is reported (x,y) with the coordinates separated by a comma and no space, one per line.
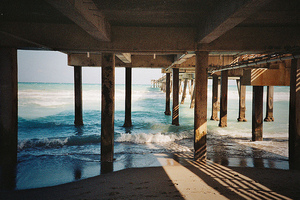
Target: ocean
(51,150)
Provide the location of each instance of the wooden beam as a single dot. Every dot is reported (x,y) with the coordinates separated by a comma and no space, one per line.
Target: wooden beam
(86,15)
(225,16)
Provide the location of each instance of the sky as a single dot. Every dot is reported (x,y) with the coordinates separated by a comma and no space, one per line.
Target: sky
(52,67)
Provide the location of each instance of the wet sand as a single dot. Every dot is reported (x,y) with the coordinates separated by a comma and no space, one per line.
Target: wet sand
(179,177)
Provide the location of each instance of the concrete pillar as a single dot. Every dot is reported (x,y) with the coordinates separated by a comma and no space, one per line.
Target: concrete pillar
(269,109)
(191,87)
(108,107)
(294,116)
(215,99)
(128,84)
(257,113)
(184,90)
(8,117)
(193,99)
(167,111)
(175,113)
(200,111)
(242,101)
(223,100)
(78,95)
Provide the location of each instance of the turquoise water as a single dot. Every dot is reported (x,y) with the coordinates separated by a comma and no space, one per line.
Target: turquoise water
(52,150)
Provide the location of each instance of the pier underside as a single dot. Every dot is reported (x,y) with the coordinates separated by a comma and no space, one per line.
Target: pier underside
(257,42)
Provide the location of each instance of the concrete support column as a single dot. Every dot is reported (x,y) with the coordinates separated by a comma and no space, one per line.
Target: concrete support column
(175,113)
(257,113)
(193,98)
(78,95)
(215,99)
(167,111)
(242,101)
(128,83)
(200,111)
(8,117)
(223,100)
(108,107)
(184,90)
(294,116)
(269,109)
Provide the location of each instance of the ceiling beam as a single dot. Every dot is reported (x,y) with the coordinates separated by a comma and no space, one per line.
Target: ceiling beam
(175,40)
(86,15)
(226,15)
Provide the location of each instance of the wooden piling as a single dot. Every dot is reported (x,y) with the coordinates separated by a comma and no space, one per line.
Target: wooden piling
(200,111)
(257,113)
(184,90)
(242,101)
(175,112)
(108,107)
(167,111)
(78,95)
(223,100)
(269,108)
(128,84)
(294,116)
(8,117)
(215,99)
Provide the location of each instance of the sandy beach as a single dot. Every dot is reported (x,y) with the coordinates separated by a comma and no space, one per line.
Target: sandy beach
(179,177)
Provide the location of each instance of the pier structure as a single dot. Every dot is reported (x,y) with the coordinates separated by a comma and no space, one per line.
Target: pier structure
(176,36)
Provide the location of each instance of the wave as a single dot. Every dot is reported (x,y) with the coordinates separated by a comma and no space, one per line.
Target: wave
(142,138)
(58,142)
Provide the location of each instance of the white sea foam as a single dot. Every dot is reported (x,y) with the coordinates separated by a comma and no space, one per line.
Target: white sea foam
(149,138)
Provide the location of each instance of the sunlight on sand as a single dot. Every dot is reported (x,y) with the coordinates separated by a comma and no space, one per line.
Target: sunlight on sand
(191,185)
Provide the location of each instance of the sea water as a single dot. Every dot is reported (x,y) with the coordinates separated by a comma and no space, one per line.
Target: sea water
(51,150)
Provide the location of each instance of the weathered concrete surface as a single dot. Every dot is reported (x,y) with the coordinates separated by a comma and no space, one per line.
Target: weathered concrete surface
(128,84)
(168,77)
(200,111)
(107,107)
(242,102)
(294,125)
(175,112)
(257,113)
(223,99)
(269,108)
(215,99)
(78,95)
(8,117)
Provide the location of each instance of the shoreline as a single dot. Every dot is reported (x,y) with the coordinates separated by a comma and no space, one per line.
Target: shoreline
(179,177)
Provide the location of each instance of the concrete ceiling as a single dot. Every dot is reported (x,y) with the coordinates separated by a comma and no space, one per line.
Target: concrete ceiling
(151,26)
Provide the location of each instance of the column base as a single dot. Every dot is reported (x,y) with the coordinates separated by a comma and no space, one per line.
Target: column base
(269,119)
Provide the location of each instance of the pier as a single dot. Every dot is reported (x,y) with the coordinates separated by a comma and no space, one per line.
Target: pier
(255,42)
